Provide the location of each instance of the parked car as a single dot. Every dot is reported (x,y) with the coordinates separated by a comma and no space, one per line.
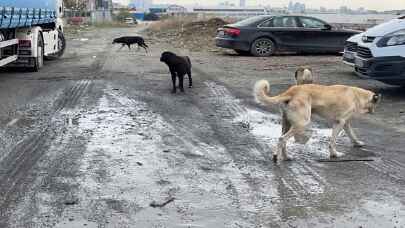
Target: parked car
(381,53)
(130,21)
(265,35)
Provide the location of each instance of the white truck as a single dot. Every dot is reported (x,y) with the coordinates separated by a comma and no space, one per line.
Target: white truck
(30,31)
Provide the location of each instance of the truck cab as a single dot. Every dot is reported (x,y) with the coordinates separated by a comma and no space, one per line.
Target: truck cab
(30,31)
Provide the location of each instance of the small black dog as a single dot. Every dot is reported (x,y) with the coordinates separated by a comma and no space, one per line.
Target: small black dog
(178,66)
(129,40)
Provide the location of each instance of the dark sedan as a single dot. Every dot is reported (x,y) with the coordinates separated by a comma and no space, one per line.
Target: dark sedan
(265,35)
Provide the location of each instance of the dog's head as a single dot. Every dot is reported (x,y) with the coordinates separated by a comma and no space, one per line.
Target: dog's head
(373,100)
(115,41)
(167,56)
(303,75)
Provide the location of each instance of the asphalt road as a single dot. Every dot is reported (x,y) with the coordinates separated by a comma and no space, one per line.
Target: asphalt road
(96,140)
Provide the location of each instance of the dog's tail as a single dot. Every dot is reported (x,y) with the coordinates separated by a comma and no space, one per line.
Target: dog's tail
(188,60)
(261,91)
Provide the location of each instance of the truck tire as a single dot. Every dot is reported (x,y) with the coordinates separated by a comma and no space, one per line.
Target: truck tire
(39,60)
(61,47)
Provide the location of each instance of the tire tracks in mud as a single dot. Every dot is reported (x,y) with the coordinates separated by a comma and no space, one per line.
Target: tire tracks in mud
(72,95)
(16,168)
(390,168)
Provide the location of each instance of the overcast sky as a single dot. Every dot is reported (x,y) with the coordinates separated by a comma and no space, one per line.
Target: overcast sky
(369,4)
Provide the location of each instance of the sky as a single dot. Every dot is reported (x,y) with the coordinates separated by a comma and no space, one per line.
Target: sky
(379,5)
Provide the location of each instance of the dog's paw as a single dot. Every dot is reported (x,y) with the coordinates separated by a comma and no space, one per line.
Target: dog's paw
(336,154)
(287,158)
(173,91)
(275,158)
(182,90)
(359,144)
(190,86)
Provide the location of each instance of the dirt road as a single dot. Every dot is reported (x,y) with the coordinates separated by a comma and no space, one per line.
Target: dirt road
(97,140)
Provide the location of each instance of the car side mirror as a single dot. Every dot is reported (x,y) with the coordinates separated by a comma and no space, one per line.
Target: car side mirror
(327,27)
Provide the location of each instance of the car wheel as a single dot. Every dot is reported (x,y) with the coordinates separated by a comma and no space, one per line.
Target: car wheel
(243,53)
(263,47)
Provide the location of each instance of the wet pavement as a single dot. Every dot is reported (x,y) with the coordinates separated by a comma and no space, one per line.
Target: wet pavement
(97,140)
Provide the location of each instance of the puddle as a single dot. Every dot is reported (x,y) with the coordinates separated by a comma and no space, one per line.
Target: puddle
(371,213)
(267,128)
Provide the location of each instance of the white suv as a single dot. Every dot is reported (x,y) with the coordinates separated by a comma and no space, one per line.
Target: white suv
(349,53)
(380,53)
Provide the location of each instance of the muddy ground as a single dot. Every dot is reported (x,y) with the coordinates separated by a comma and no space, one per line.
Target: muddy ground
(96,140)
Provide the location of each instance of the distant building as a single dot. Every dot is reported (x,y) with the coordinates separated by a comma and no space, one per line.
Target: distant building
(167,8)
(230,11)
(227,4)
(345,10)
(99,4)
(141,5)
(296,7)
(242,3)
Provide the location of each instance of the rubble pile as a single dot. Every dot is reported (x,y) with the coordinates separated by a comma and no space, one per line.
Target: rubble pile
(195,35)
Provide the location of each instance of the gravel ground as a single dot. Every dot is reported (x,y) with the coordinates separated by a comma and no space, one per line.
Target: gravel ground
(96,140)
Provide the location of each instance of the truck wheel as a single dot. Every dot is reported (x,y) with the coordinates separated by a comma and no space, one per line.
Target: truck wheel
(61,47)
(263,47)
(39,60)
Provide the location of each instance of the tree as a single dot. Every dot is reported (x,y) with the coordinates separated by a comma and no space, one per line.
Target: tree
(123,13)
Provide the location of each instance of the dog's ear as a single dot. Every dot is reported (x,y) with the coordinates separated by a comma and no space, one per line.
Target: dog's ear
(376,98)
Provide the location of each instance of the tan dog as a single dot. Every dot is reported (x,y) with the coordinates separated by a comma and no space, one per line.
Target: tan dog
(337,104)
(303,75)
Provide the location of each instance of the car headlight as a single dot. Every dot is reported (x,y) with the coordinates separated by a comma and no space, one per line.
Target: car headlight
(393,39)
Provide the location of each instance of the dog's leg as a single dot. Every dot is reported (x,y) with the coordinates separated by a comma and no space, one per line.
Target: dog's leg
(146,50)
(129,46)
(181,77)
(285,127)
(174,83)
(190,79)
(123,45)
(349,131)
(337,128)
(282,143)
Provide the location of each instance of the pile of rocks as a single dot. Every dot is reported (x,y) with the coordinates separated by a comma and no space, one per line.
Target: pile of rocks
(195,35)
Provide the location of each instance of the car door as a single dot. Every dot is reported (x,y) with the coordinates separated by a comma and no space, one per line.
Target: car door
(317,35)
(283,29)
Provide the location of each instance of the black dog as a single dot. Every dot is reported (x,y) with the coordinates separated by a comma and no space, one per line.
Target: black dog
(129,40)
(178,66)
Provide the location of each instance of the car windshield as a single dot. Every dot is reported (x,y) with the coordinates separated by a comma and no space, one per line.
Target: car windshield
(250,21)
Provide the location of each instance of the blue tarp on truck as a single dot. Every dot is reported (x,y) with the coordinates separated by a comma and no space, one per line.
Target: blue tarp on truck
(26,13)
